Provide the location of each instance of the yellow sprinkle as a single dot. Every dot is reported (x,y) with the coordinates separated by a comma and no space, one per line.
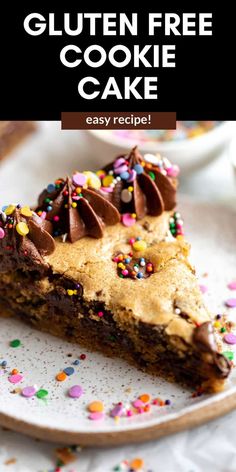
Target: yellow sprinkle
(74,204)
(66,206)
(217,324)
(22,229)
(70,292)
(78,190)
(121,266)
(180,237)
(133,215)
(26,211)
(75,292)
(140,245)
(100,172)
(92,179)
(131,189)
(10,209)
(107,181)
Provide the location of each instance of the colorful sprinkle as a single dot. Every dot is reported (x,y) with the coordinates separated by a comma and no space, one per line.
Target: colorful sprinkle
(140,245)
(15,343)
(79,179)
(128,220)
(95,406)
(61,376)
(22,228)
(137,463)
(232,285)
(203,288)
(82,357)
(97,415)
(69,371)
(230,338)
(25,211)
(231,302)
(42,393)
(28,391)
(15,378)
(75,391)
(229,355)
(2,233)
(117,410)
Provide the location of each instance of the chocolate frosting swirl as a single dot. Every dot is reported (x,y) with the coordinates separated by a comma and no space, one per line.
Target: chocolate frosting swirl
(25,240)
(203,338)
(153,192)
(76,212)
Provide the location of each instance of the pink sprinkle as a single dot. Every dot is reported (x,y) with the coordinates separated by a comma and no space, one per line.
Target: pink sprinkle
(128,220)
(132,176)
(231,302)
(43,215)
(232,285)
(132,241)
(119,162)
(230,338)
(107,189)
(117,410)
(125,272)
(79,179)
(203,288)
(2,233)
(100,314)
(173,171)
(129,413)
(28,391)
(16,378)
(56,218)
(96,415)
(76,391)
(138,403)
(121,169)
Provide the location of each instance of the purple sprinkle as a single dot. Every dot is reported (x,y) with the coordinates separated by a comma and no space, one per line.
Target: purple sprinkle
(203,288)
(168,402)
(218,317)
(76,391)
(232,285)
(231,302)
(117,410)
(230,338)
(28,391)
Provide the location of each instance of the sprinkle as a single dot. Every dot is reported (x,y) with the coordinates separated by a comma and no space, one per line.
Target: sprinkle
(126,196)
(124,175)
(203,288)
(61,376)
(28,391)
(50,188)
(128,220)
(119,162)
(15,343)
(75,391)
(15,378)
(42,393)
(25,211)
(70,292)
(231,302)
(76,362)
(223,329)
(2,233)
(107,181)
(117,410)
(138,403)
(137,463)
(22,228)
(4,364)
(95,406)
(229,355)
(100,314)
(9,210)
(168,402)
(217,324)
(138,169)
(69,371)
(82,357)
(232,285)
(97,415)
(140,245)
(145,398)
(79,179)
(230,338)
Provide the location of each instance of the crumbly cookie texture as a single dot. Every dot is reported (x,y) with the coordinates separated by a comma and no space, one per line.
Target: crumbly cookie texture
(171,289)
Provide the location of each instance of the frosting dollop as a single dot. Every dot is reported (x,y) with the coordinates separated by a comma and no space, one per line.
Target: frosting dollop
(139,187)
(75,209)
(24,239)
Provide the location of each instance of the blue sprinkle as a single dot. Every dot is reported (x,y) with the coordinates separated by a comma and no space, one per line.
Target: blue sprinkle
(138,168)
(49,208)
(50,188)
(4,363)
(138,238)
(69,370)
(76,362)
(124,175)
(127,260)
(139,275)
(4,207)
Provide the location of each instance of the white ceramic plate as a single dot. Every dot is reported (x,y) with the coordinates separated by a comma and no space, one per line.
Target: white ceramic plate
(211,230)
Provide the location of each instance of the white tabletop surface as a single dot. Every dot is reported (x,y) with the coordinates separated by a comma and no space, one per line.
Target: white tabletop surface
(209,448)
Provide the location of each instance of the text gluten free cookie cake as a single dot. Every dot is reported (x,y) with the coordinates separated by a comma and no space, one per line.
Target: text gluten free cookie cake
(101,260)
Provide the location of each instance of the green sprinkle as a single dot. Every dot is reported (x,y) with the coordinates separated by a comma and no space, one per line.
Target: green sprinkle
(121,276)
(229,355)
(222,330)
(15,343)
(152,175)
(42,393)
